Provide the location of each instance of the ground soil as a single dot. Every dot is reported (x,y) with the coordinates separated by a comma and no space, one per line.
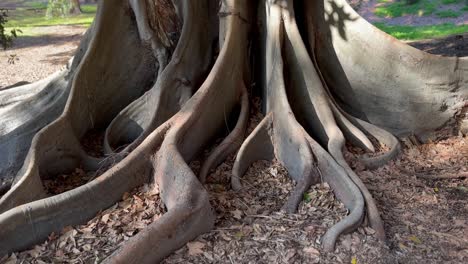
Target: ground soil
(35,57)
(456,45)
(425,217)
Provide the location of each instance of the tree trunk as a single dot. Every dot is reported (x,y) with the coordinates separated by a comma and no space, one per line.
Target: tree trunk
(75,7)
(160,77)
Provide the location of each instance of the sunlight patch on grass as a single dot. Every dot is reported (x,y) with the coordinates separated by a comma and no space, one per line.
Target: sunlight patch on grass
(422,32)
(23,18)
(449,2)
(400,8)
(448,13)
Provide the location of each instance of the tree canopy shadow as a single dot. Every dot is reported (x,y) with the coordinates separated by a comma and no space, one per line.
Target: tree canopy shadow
(44,40)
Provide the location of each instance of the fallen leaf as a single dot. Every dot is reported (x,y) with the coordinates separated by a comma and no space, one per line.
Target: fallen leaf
(237,214)
(105,218)
(415,239)
(195,248)
(312,252)
(353,260)
(12,259)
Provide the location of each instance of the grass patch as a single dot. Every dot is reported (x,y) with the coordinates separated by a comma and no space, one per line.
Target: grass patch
(448,13)
(449,2)
(23,18)
(36,5)
(400,8)
(465,8)
(422,32)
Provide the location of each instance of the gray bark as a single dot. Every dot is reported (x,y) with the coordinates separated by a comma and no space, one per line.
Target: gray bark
(326,75)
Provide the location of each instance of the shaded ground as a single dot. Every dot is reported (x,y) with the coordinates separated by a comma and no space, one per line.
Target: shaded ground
(425,218)
(35,57)
(12,4)
(456,45)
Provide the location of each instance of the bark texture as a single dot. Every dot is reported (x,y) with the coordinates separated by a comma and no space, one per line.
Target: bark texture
(161,81)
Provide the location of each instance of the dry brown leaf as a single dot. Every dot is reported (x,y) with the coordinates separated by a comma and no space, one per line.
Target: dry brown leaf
(312,252)
(195,248)
(105,218)
(237,214)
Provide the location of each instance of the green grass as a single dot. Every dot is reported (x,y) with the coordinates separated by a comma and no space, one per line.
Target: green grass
(36,5)
(465,8)
(448,2)
(400,8)
(422,32)
(26,19)
(421,8)
(448,13)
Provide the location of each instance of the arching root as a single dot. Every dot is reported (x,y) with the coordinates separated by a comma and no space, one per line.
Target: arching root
(56,148)
(231,143)
(344,189)
(189,212)
(279,134)
(318,115)
(24,111)
(384,137)
(154,135)
(176,82)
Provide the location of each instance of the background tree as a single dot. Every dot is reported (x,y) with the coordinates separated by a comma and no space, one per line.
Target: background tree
(62,8)
(6,38)
(161,77)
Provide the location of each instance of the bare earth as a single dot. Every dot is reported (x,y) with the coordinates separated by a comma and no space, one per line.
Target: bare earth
(39,56)
(426,218)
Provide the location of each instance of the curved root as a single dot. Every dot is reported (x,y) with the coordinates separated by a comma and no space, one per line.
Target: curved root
(56,148)
(189,211)
(344,189)
(175,84)
(231,143)
(153,134)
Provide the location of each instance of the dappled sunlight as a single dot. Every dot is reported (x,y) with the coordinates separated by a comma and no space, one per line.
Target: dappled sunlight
(336,17)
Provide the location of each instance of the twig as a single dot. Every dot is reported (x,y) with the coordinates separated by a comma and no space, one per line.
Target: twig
(444,176)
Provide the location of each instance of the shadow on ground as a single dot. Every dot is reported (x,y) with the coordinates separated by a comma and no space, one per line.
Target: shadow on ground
(44,40)
(455,45)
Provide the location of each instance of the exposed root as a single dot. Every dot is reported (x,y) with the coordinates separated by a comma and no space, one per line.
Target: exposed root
(24,111)
(384,137)
(350,131)
(345,190)
(21,226)
(175,84)
(231,143)
(257,146)
(376,78)
(189,211)
(153,134)
(4,188)
(279,134)
(56,149)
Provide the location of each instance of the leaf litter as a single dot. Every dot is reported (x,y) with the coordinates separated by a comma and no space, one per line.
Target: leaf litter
(425,218)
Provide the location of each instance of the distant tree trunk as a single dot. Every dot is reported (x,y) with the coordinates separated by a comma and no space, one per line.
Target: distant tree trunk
(75,7)
(61,8)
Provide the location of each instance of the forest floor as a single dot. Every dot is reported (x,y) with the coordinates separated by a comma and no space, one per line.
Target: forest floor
(422,196)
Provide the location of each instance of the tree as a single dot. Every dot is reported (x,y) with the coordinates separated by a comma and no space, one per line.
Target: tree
(6,39)
(62,8)
(149,74)
(75,7)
